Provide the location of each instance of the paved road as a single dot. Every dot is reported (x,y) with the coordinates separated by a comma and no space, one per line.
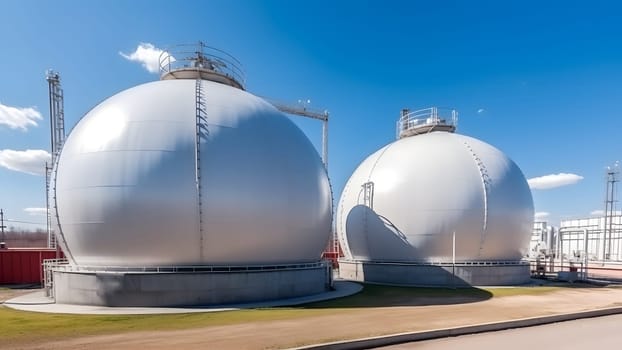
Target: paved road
(602,333)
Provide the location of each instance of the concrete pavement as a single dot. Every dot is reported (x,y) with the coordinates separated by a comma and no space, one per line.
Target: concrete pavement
(600,332)
(38,302)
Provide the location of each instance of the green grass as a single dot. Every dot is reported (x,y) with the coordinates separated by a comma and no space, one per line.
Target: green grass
(31,327)
(22,326)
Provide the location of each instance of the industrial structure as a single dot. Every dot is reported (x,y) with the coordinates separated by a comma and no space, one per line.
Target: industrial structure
(544,240)
(581,243)
(596,238)
(23,265)
(57,139)
(577,249)
(303,111)
(435,208)
(189,191)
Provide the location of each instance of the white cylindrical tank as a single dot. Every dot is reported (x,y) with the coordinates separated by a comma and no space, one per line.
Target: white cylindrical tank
(127,181)
(404,203)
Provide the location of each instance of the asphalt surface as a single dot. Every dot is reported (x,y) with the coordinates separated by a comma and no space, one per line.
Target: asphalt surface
(601,332)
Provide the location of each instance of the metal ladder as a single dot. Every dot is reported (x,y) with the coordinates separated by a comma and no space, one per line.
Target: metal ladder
(486,183)
(51,235)
(201,133)
(368,194)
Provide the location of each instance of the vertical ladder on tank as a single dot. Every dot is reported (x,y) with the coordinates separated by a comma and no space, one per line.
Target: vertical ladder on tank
(486,183)
(368,194)
(201,132)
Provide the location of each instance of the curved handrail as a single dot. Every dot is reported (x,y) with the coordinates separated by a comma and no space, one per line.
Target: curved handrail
(425,119)
(203,57)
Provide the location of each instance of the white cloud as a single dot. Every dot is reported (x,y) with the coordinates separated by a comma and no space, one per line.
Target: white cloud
(541,215)
(554,180)
(19,118)
(147,55)
(36,211)
(30,161)
(480,111)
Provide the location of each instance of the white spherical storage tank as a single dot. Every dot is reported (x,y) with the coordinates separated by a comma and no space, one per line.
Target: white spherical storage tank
(190,191)
(406,202)
(126,189)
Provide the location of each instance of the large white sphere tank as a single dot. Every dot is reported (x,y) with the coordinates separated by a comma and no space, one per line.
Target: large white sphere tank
(404,203)
(128,183)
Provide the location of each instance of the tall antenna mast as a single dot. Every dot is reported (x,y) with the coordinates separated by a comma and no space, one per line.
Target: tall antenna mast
(57,139)
(610,210)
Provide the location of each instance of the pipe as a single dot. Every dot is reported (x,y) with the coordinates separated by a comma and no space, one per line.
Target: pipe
(325,141)
(585,259)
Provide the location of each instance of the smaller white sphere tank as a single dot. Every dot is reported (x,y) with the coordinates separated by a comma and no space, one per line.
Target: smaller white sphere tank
(432,198)
(192,173)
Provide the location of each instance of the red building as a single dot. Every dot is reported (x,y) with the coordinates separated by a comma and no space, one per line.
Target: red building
(24,265)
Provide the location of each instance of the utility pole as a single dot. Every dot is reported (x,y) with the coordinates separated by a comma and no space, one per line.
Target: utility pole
(2,227)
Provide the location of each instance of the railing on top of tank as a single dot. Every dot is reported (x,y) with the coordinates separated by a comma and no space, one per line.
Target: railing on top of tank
(201,56)
(191,268)
(427,116)
(458,263)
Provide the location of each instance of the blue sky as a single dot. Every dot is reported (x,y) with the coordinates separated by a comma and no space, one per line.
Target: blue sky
(538,80)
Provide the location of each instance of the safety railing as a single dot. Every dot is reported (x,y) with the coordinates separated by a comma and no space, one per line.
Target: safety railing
(49,265)
(448,263)
(201,57)
(425,120)
(190,268)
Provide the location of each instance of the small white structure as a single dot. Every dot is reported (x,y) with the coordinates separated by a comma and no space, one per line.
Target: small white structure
(543,241)
(190,190)
(435,208)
